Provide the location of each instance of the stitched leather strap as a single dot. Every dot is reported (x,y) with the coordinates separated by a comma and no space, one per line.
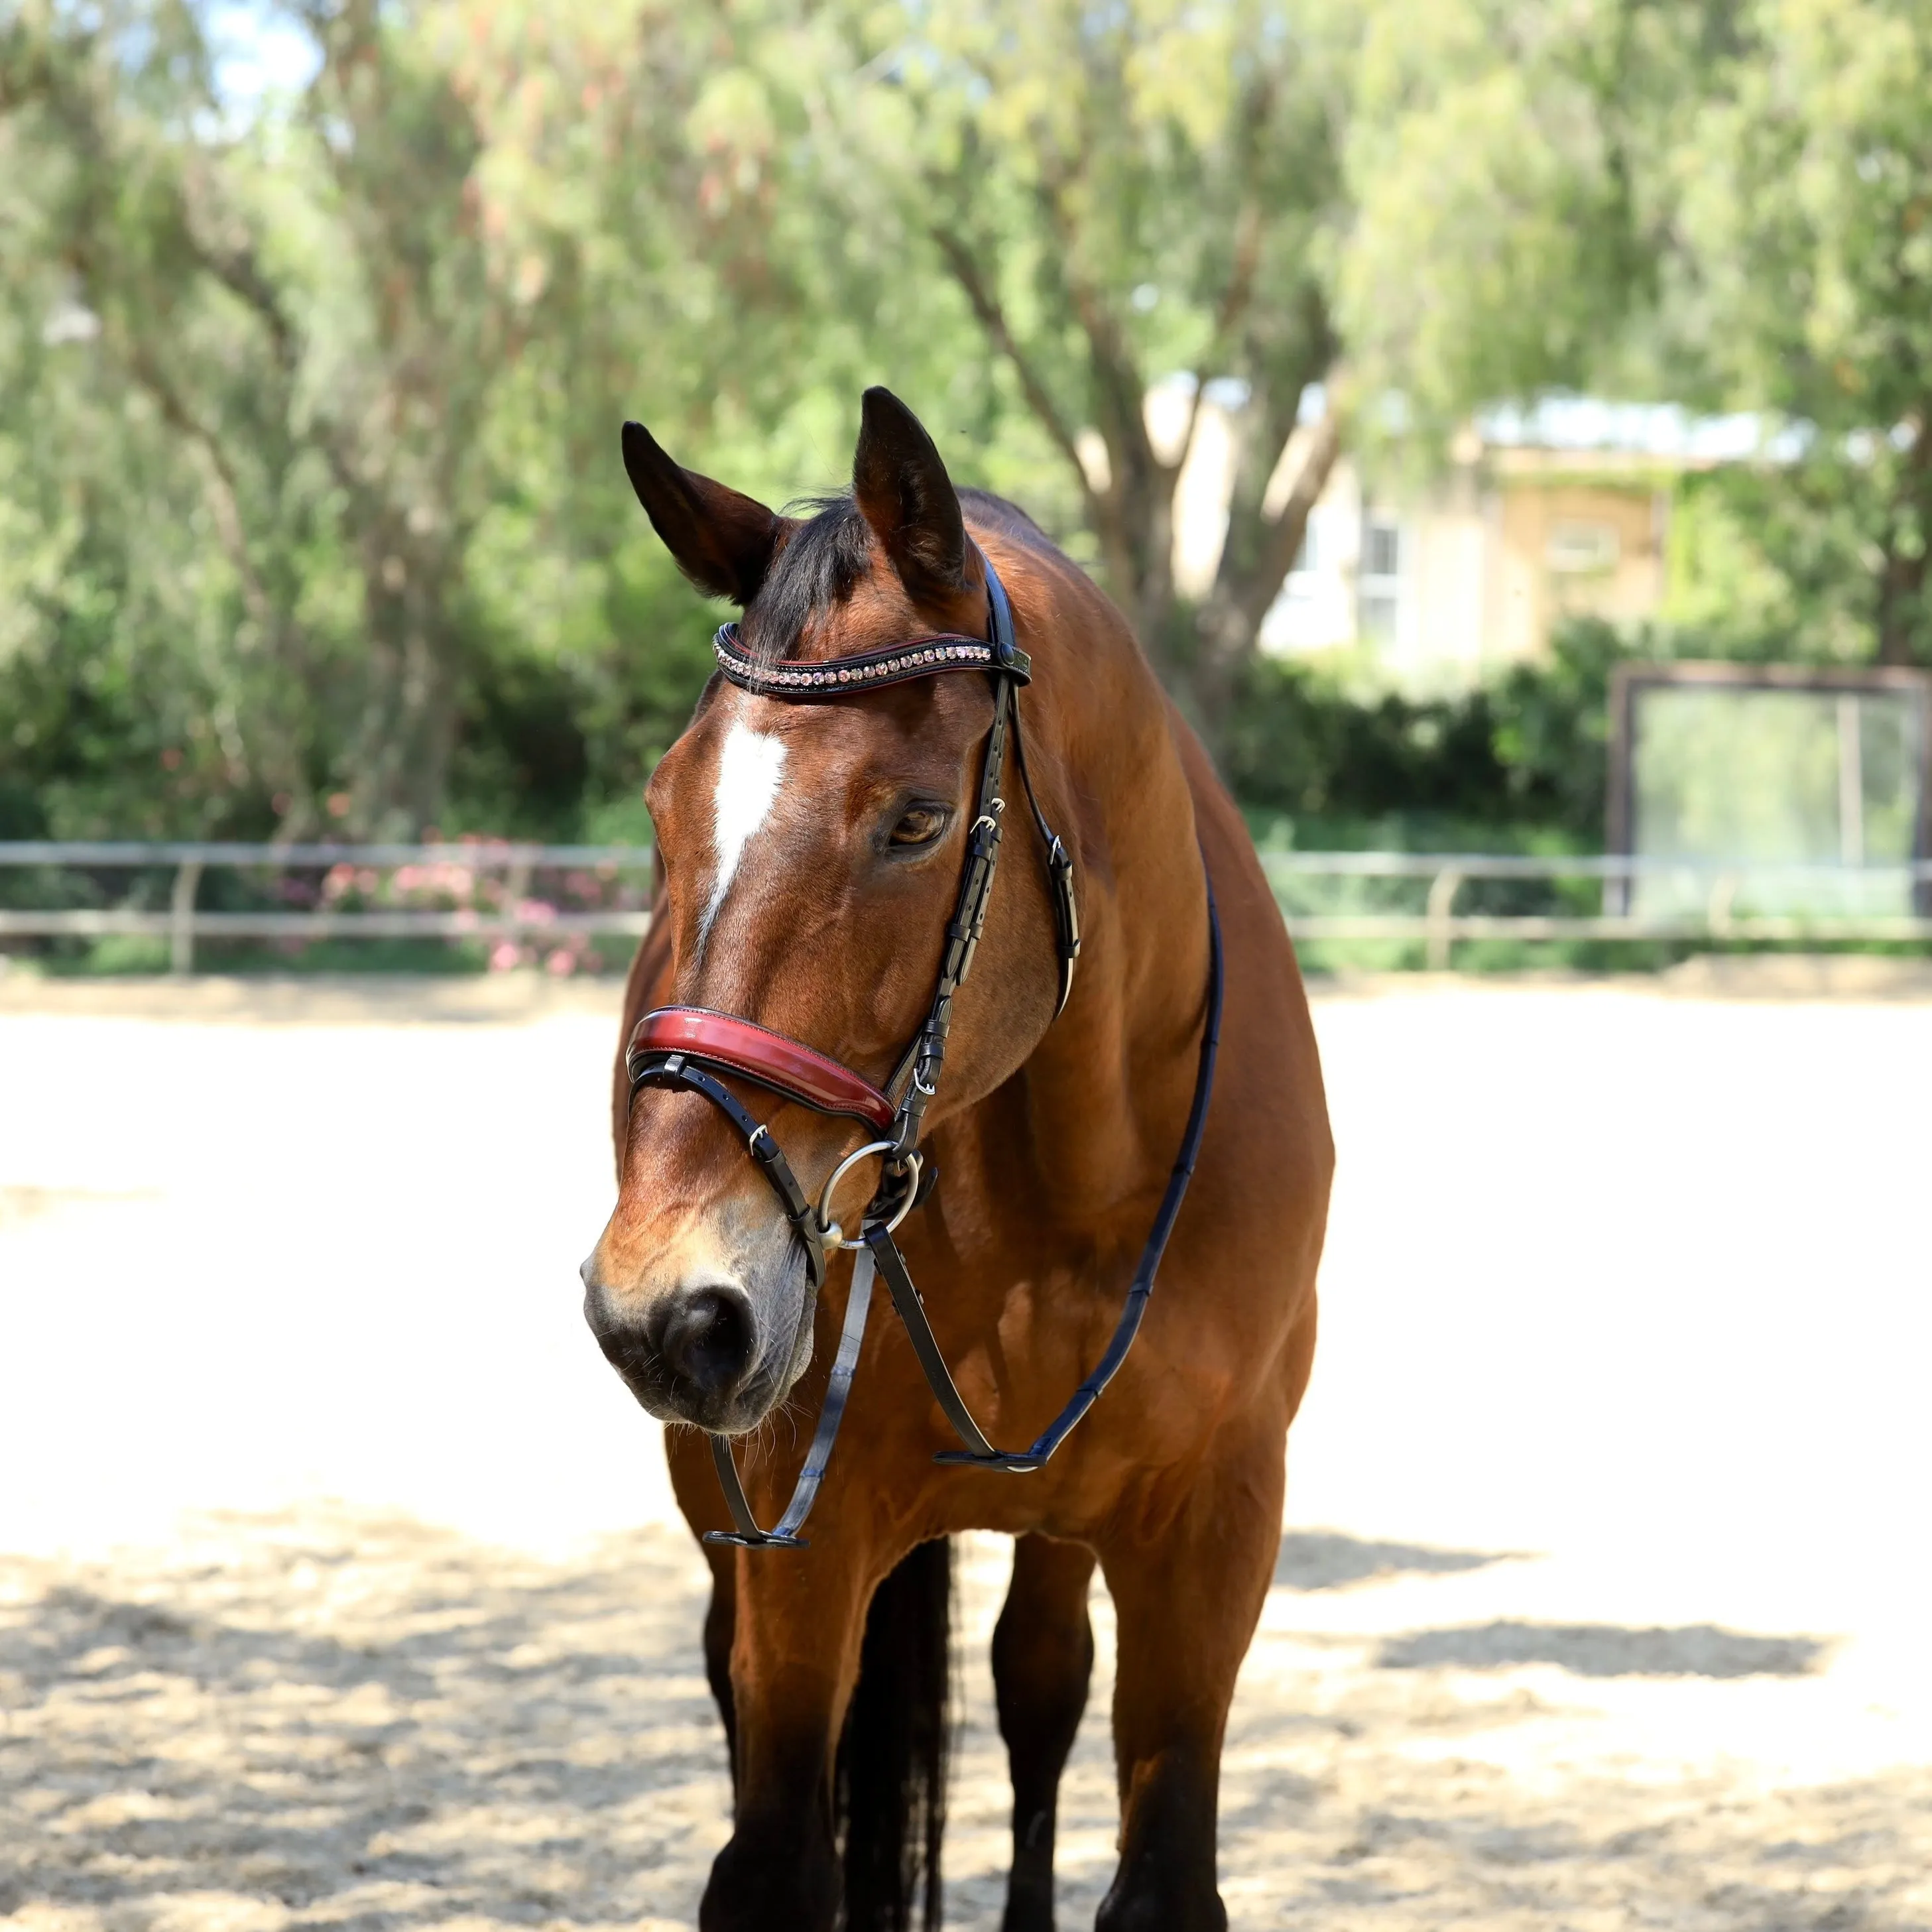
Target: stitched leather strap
(773,1060)
(963,930)
(979,1451)
(676,1070)
(911,1309)
(785,1533)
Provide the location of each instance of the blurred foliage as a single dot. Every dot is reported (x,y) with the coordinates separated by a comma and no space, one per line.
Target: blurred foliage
(1799,284)
(311,519)
(1519,762)
(1781,560)
(309,514)
(1526,749)
(1112,196)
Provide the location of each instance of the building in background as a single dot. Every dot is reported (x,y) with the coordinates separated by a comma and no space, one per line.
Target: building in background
(1560,509)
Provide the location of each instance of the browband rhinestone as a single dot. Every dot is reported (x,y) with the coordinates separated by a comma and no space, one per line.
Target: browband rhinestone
(899,661)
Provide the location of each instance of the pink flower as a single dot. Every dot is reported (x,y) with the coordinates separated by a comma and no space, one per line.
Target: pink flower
(504,956)
(561,961)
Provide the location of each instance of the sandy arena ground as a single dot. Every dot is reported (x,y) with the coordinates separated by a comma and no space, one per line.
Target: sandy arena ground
(339,1585)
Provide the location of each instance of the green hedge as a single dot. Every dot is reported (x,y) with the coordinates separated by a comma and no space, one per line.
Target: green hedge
(1523,753)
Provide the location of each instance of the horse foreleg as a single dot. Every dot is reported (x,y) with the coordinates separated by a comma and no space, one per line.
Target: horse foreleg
(780,1652)
(797,1619)
(1187,1594)
(694,1483)
(719,1620)
(1043,1658)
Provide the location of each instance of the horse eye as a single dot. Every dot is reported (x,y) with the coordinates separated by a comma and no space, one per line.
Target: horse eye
(919,827)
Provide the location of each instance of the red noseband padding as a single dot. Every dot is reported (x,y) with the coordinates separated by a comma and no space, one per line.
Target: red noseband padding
(786,1066)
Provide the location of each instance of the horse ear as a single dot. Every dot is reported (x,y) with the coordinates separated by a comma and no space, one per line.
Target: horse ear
(906,497)
(722,541)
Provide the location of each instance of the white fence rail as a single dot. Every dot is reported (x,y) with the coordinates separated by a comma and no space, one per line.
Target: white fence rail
(183,922)
(1722,889)
(1723,892)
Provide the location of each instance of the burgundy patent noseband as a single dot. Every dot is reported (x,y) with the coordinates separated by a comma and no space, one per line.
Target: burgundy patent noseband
(689,1047)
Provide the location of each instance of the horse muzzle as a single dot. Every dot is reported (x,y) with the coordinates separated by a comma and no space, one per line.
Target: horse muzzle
(707,1349)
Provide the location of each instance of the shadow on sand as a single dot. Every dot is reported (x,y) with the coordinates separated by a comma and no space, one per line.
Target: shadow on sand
(1606,1650)
(360,1722)
(1325,1559)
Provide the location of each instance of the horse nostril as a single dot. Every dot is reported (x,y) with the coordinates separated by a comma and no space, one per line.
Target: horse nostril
(706,1339)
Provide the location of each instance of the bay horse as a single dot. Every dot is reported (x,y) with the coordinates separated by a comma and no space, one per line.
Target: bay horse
(826,840)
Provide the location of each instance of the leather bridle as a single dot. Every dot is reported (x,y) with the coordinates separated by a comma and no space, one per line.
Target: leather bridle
(689,1047)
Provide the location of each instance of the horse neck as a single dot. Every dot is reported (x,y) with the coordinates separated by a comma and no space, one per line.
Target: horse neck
(1105,1093)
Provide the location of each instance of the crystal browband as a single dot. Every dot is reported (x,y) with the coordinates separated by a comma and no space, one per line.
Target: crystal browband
(920,658)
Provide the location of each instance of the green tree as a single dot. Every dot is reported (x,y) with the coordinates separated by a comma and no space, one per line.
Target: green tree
(1726,204)
(1112,196)
(1348,222)
(304,348)
(1804,288)
(1503,160)
(307,418)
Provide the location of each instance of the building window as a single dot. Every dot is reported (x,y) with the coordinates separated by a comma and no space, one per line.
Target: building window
(1582,550)
(1379,587)
(1301,572)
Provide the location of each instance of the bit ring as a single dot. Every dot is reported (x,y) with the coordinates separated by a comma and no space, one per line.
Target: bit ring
(830,1233)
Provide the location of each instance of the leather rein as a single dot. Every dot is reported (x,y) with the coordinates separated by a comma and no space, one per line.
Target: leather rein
(688,1048)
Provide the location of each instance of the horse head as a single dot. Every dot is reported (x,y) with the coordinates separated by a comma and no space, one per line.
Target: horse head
(812,855)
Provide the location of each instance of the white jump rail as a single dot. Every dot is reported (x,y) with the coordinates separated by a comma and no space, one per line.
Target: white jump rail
(1439,925)
(184,922)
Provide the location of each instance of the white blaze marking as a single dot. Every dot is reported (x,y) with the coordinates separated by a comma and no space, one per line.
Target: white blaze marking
(749,769)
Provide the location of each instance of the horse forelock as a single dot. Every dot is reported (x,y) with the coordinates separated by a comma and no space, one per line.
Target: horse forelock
(821,559)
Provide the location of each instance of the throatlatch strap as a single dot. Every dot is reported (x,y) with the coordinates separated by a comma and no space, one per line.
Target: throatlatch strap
(1059,878)
(1059,861)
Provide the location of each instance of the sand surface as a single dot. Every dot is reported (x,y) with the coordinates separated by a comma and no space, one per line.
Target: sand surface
(338,1583)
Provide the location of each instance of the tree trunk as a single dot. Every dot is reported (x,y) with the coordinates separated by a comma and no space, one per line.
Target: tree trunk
(1259,553)
(1904,622)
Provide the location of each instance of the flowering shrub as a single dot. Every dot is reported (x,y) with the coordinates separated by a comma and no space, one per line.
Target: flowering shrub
(486,897)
